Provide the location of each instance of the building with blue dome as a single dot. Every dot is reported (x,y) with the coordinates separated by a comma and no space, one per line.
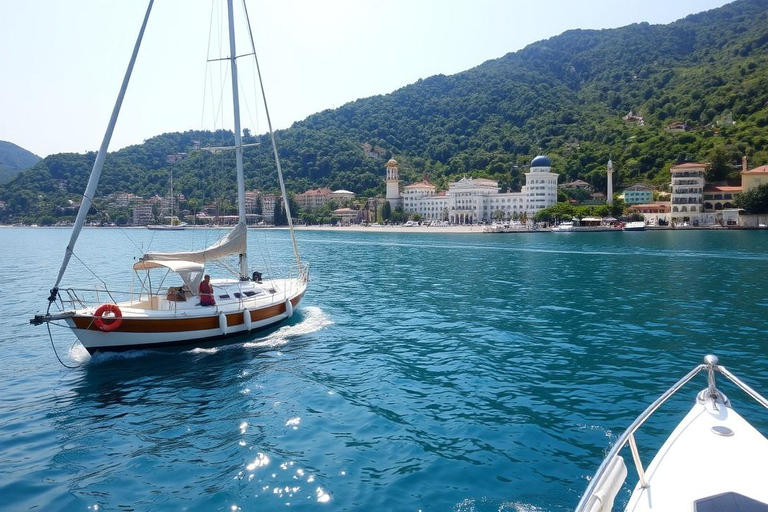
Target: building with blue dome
(474,200)
(540,185)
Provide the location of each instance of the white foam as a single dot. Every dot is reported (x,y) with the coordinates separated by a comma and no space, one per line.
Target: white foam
(313,320)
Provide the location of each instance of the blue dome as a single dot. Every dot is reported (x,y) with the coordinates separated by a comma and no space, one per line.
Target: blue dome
(541,161)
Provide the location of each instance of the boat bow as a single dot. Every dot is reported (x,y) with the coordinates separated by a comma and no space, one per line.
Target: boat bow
(713,460)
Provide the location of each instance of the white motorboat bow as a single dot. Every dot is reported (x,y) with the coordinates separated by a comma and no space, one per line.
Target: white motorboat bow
(713,461)
(158,315)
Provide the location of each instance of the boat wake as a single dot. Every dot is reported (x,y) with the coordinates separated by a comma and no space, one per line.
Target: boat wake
(314,320)
(80,355)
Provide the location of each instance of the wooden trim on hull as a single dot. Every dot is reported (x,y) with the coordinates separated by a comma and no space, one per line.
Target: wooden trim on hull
(184,324)
(184,328)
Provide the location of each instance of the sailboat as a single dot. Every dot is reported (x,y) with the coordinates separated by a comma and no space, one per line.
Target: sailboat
(174,224)
(163,316)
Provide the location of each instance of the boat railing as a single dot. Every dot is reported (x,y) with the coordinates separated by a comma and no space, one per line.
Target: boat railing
(80,298)
(592,500)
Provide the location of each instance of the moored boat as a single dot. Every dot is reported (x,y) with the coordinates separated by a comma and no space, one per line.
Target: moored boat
(634,226)
(714,460)
(564,227)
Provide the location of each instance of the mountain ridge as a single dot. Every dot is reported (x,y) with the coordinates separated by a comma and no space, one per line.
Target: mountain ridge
(14,159)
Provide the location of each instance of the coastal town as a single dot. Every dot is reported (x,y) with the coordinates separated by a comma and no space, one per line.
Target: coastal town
(689,202)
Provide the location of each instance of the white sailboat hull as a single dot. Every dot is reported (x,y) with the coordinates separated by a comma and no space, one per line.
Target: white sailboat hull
(159,322)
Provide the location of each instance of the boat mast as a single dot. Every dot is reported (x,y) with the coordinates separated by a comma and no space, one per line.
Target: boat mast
(238,137)
(98,165)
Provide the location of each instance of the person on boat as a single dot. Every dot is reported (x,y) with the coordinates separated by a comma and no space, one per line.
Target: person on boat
(206,292)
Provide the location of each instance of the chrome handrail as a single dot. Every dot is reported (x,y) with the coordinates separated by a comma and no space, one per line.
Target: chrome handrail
(710,364)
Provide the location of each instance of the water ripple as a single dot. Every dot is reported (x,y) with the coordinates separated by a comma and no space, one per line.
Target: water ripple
(423,372)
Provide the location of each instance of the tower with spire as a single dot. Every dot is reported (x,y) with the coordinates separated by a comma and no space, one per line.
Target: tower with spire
(609,172)
(393,184)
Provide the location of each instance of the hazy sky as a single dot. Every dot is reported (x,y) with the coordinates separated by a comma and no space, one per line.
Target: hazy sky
(62,62)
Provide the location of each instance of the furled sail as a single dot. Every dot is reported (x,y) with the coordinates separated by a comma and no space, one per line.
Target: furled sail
(233,242)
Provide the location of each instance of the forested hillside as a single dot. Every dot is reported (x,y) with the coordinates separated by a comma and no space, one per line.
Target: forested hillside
(566,97)
(14,159)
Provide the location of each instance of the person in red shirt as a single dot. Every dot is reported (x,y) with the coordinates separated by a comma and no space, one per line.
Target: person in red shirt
(206,292)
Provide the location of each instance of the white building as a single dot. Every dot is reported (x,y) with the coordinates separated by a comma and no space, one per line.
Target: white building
(540,188)
(688,193)
(342,196)
(473,200)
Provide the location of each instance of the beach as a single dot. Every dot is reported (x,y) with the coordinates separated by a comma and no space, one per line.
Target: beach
(397,229)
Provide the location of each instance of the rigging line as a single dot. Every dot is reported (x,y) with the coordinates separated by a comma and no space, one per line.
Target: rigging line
(262,251)
(227,267)
(266,256)
(274,143)
(106,289)
(123,231)
(256,107)
(207,70)
(53,346)
(244,97)
(218,115)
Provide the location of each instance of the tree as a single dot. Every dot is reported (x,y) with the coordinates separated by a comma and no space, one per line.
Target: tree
(280,218)
(398,215)
(718,167)
(755,201)
(386,211)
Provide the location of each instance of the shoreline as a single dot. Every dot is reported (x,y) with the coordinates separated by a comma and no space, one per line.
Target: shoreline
(453,230)
(395,229)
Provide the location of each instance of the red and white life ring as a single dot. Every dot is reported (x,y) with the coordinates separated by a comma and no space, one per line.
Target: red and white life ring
(109,323)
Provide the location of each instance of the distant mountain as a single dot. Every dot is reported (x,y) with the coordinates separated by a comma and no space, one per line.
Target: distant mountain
(697,90)
(13,160)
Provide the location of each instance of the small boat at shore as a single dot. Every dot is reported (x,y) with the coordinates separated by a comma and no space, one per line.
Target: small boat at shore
(506,227)
(167,227)
(564,227)
(634,226)
(714,460)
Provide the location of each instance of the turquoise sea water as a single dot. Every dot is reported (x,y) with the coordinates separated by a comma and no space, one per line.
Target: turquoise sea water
(423,372)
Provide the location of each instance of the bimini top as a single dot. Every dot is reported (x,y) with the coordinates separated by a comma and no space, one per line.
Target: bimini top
(190,272)
(541,161)
(177,266)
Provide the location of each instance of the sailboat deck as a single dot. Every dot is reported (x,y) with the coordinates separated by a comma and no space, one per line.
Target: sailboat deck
(230,295)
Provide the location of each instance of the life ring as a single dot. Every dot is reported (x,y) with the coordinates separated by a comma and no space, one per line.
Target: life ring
(108,324)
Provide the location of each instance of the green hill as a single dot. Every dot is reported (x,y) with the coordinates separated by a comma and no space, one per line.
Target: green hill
(13,160)
(566,96)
